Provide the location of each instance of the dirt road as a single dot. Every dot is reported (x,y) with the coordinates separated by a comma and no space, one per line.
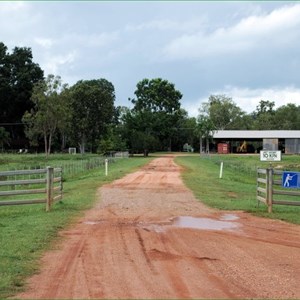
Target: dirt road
(140,241)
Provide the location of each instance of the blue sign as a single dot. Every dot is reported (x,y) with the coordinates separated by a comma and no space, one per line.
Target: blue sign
(291,180)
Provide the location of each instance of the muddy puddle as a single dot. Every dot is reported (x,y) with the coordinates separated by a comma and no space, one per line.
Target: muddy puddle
(91,222)
(225,222)
(204,223)
(229,217)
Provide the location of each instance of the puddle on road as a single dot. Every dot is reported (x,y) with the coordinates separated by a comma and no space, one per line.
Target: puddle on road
(91,222)
(203,223)
(229,217)
(224,223)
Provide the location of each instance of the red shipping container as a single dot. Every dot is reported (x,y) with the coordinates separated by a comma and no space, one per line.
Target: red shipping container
(223,148)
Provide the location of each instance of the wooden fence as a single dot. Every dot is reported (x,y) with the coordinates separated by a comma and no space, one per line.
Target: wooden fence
(269,189)
(46,183)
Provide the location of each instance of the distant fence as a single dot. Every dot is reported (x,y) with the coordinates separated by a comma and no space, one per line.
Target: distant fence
(269,189)
(45,183)
(73,168)
(121,154)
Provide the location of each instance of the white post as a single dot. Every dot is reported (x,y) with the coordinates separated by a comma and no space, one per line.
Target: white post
(221,169)
(106,167)
(49,187)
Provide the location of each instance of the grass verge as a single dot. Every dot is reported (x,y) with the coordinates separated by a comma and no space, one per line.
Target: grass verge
(235,191)
(27,231)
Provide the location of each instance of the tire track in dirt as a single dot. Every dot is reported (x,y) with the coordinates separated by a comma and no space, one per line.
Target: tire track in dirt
(126,247)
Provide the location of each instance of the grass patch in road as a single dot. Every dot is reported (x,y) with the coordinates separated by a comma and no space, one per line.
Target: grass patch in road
(235,191)
(26,231)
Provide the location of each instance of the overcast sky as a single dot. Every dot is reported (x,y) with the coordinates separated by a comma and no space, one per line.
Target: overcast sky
(248,51)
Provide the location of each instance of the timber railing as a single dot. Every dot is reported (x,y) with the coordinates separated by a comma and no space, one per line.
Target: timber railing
(18,187)
(269,189)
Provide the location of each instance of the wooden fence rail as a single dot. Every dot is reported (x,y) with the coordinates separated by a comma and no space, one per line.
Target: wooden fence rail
(269,184)
(44,182)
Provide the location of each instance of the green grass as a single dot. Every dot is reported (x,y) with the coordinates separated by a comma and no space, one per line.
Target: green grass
(237,189)
(27,231)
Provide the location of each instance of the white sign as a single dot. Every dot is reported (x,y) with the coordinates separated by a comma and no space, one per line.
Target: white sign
(270,155)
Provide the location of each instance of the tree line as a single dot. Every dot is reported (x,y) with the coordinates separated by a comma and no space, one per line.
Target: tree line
(41,112)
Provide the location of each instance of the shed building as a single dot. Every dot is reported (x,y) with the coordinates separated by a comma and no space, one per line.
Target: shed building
(252,141)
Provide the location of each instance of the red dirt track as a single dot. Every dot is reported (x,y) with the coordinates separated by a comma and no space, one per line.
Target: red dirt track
(127,247)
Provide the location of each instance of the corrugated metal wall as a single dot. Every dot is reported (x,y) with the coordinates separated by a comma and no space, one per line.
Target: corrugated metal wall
(270,144)
(292,146)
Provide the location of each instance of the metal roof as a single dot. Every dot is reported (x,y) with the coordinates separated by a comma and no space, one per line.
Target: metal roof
(257,134)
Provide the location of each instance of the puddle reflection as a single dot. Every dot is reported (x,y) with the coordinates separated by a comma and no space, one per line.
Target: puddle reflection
(226,222)
(203,223)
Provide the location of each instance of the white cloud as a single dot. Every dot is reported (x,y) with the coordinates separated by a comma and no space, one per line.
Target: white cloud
(193,108)
(44,42)
(17,20)
(53,64)
(98,40)
(79,41)
(279,27)
(189,25)
(75,51)
(248,99)
(12,6)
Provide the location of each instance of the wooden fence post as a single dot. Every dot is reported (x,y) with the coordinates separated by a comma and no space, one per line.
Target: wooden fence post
(49,187)
(269,189)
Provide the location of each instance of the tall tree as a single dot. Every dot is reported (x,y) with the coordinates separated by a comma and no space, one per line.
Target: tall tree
(140,136)
(287,117)
(222,112)
(5,87)
(157,110)
(24,74)
(264,115)
(93,111)
(48,112)
(205,129)
(156,95)
(64,127)
(265,106)
(18,74)
(4,138)
(186,131)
